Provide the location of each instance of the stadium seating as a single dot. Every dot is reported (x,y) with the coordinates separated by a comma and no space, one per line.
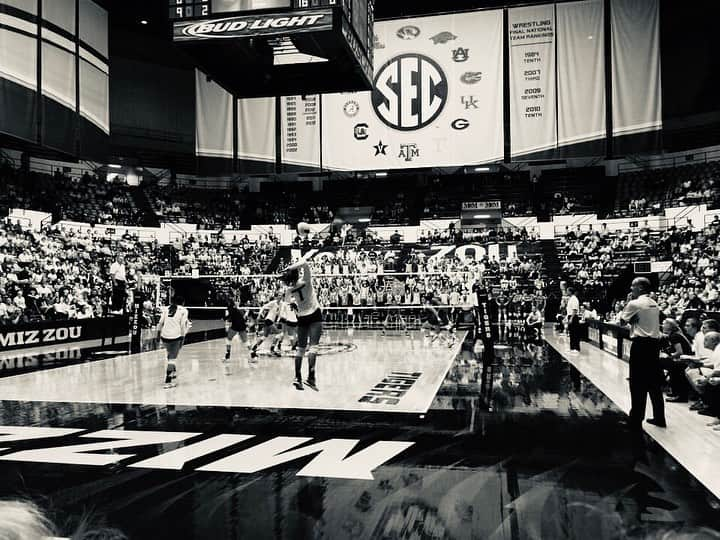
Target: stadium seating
(648,191)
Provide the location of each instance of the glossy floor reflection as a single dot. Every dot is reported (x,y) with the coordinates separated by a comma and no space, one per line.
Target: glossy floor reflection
(524,449)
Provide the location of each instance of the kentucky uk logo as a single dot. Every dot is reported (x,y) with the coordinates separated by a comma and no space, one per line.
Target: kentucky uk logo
(329,459)
(410,92)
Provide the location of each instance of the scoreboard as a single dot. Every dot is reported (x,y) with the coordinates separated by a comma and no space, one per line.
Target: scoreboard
(195,9)
(338,31)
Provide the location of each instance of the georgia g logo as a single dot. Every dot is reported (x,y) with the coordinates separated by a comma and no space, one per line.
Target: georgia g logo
(410,92)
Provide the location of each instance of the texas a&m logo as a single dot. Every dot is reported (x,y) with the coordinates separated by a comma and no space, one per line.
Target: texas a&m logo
(410,92)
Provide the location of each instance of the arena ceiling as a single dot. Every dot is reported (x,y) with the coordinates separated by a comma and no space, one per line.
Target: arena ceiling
(154,12)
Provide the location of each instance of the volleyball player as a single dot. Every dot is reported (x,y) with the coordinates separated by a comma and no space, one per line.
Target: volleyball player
(298,279)
(269,315)
(235,325)
(394,317)
(288,320)
(437,322)
(172,328)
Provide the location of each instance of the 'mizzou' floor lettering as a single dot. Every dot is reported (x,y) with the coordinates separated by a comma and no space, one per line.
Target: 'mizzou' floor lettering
(391,389)
(329,458)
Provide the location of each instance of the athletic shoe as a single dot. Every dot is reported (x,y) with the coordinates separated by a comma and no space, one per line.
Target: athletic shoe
(169,385)
(297,383)
(275,353)
(312,384)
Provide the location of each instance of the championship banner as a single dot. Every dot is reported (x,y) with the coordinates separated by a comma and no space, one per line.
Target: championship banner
(213,118)
(581,76)
(533,108)
(256,129)
(636,80)
(437,98)
(301,130)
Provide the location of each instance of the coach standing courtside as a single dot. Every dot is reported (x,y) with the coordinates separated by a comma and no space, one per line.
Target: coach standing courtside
(118,275)
(646,374)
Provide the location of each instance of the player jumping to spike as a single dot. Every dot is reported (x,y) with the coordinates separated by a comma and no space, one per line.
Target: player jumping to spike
(298,279)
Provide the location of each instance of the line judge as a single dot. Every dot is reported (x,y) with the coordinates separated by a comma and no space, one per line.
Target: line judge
(646,374)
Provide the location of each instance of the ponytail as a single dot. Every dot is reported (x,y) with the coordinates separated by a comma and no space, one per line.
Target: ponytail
(176,301)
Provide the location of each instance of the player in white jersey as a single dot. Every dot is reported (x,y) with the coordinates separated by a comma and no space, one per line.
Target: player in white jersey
(289,322)
(270,316)
(298,279)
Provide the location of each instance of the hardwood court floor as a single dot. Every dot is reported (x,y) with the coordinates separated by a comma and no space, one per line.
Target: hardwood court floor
(352,364)
(687,438)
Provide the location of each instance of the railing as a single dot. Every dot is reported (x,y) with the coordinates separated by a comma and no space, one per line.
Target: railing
(644,163)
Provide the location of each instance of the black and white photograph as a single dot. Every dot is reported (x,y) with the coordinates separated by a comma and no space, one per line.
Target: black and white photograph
(359,270)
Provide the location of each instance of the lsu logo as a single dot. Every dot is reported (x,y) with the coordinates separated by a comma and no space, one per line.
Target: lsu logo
(410,92)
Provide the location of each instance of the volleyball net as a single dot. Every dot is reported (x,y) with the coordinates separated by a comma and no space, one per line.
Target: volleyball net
(392,302)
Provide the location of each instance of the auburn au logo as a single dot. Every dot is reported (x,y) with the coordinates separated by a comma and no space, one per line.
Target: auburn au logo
(410,92)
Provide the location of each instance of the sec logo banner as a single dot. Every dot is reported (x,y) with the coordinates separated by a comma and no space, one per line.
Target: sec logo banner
(411,90)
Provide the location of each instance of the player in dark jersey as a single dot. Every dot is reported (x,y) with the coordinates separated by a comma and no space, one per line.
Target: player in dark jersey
(235,325)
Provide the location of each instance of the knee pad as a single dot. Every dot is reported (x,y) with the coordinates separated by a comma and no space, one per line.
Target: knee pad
(300,352)
(313,349)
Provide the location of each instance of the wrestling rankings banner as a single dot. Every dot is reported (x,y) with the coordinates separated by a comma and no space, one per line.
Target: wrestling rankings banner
(437,101)
(533,107)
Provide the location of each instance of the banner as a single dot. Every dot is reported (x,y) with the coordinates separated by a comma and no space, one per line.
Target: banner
(28,336)
(256,129)
(533,110)
(437,100)
(636,82)
(213,118)
(581,75)
(301,130)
